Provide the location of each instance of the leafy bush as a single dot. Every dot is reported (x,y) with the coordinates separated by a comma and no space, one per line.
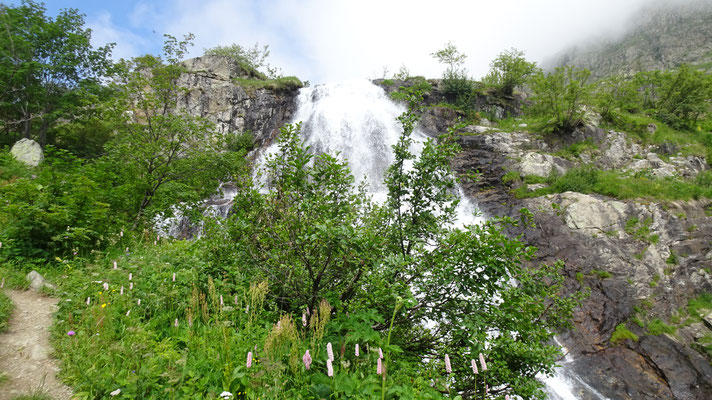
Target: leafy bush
(560,97)
(251,60)
(509,70)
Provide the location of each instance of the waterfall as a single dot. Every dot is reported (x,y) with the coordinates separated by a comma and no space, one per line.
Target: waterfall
(357,121)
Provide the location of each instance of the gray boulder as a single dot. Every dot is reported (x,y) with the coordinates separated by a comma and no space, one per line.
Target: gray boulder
(28,151)
(542,164)
(37,281)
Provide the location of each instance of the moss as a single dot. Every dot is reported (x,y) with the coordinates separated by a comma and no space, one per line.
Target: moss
(672,258)
(511,176)
(622,333)
(601,274)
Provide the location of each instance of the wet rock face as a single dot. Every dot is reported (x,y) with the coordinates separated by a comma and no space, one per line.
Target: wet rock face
(213,92)
(641,261)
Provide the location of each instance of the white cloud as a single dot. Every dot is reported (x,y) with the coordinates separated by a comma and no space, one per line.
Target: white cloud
(128,44)
(323,40)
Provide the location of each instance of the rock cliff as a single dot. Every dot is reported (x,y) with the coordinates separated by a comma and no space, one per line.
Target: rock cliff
(662,35)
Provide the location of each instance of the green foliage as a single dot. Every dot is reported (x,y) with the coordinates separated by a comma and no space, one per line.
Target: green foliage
(658,327)
(47,64)
(601,273)
(622,186)
(251,60)
(699,305)
(6,308)
(622,333)
(418,89)
(241,141)
(560,97)
(509,70)
(457,86)
(576,149)
(285,83)
(161,156)
(511,176)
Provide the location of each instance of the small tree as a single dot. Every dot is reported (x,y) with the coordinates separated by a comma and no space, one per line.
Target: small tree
(162,156)
(560,97)
(509,70)
(456,83)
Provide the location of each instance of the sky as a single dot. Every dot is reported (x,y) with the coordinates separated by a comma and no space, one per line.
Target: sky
(332,40)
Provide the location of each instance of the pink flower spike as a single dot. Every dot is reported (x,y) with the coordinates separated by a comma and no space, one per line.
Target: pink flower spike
(131,286)
(304,320)
(380,353)
(115,266)
(356,352)
(130,275)
(2,284)
(330,351)
(448,367)
(121,292)
(174,277)
(379,367)
(308,313)
(106,286)
(221,299)
(88,300)
(249,359)
(474,367)
(121,233)
(128,312)
(235,299)
(329,368)
(175,323)
(482,362)
(506,397)
(307,360)
(139,302)
(70,333)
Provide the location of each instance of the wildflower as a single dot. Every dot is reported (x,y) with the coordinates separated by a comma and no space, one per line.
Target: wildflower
(448,367)
(235,299)
(308,313)
(175,323)
(487,390)
(356,353)
(139,302)
(130,275)
(2,284)
(225,395)
(121,233)
(131,286)
(190,320)
(379,367)
(115,266)
(115,392)
(71,333)
(154,242)
(506,397)
(221,298)
(330,351)
(249,359)
(329,368)
(307,360)
(174,278)
(103,305)
(304,318)
(482,362)
(128,312)
(474,366)
(380,353)
(247,309)
(121,291)
(88,300)
(127,250)
(106,286)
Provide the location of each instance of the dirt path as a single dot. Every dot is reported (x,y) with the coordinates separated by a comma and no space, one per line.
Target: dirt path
(25,352)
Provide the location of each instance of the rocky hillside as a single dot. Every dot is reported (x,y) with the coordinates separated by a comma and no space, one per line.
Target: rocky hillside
(661,36)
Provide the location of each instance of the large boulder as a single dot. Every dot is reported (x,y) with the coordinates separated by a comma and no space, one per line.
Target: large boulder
(28,151)
(542,164)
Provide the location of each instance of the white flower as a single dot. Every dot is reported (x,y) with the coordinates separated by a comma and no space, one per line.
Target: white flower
(115,392)
(225,395)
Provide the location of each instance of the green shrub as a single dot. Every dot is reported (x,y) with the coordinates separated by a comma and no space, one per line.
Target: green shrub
(622,333)
(560,97)
(509,70)
(509,177)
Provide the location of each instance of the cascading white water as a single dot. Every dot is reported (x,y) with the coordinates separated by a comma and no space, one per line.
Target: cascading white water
(357,120)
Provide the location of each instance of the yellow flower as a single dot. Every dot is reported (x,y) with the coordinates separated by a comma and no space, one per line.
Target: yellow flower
(103,305)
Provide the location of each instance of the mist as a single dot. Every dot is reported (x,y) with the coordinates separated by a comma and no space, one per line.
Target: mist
(321,40)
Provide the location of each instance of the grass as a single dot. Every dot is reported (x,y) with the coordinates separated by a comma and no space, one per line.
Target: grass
(657,327)
(286,83)
(699,305)
(623,186)
(575,150)
(622,333)
(601,273)
(6,308)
